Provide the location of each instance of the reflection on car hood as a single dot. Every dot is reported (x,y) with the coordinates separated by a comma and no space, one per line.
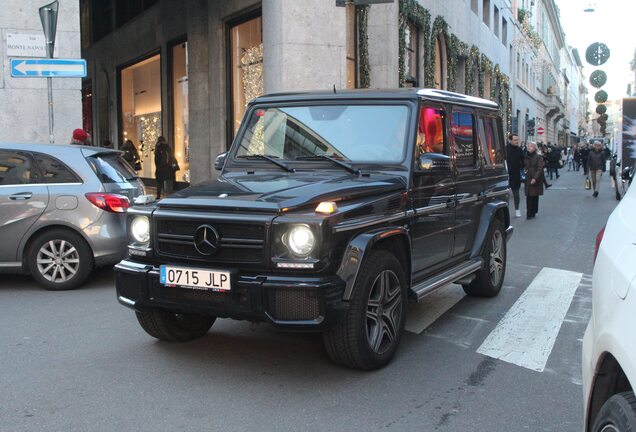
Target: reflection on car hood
(268,191)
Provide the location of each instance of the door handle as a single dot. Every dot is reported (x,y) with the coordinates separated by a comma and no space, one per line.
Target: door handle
(451,204)
(20,196)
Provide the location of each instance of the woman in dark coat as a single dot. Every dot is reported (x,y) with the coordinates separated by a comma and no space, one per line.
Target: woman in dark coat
(533,163)
(164,167)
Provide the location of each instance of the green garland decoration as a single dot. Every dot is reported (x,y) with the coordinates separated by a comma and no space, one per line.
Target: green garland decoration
(439,29)
(600,96)
(597,54)
(598,78)
(364,68)
(472,64)
(411,10)
(485,68)
(601,109)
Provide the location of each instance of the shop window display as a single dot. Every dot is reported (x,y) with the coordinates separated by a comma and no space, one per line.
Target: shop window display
(246,47)
(180,110)
(141,109)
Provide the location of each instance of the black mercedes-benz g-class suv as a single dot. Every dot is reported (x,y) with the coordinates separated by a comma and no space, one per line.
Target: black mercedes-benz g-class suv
(331,211)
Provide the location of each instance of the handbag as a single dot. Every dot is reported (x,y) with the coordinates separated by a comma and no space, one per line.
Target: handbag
(137,166)
(175,165)
(588,183)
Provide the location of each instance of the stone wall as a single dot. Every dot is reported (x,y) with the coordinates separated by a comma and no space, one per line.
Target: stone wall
(24,101)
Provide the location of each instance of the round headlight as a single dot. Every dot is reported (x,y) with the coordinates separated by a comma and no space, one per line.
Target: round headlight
(140,229)
(300,240)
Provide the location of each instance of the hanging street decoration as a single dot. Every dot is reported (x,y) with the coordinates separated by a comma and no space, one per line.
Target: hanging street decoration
(602,119)
(600,96)
(601,109)
(597,54)
(598,78)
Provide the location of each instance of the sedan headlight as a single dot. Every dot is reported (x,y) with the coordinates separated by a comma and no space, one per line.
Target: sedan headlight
(140,229)
(300,240)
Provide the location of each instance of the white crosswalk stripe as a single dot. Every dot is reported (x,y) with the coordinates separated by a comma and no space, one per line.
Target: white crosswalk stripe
(526,335)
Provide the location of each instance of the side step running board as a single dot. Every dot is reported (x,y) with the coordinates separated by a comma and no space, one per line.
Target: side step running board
(427,286)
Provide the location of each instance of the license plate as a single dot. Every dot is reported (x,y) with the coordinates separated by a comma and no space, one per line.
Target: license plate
(195,278)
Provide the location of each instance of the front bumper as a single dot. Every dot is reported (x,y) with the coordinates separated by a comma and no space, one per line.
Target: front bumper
(294,302)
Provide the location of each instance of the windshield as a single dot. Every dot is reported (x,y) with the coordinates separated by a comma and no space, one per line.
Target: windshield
(111,168)
(356,133)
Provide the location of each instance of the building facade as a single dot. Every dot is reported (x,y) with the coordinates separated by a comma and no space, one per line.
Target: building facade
(24,101)
(186,70)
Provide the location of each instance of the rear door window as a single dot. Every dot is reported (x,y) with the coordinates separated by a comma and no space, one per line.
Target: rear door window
(16,168)
(462,131)
(489,141)
(111,168)
(54,170)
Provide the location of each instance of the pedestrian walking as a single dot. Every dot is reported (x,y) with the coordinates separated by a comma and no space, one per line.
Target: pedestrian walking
(596,162)
(585,152)
(533,163)
(131,155)
(541,150)
(569,159)
(514,161)
(577,158)
(165,167)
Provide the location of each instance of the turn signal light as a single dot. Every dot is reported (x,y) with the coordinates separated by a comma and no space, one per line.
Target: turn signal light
(327,207)
(599,239)
(110,202)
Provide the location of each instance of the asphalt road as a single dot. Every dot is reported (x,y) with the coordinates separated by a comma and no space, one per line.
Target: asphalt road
(78,361)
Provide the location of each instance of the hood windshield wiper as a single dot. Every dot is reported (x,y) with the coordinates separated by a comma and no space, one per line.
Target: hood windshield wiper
(340,163)
(267,158)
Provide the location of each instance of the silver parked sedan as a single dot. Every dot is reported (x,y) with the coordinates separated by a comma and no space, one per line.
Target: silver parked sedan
(62,210)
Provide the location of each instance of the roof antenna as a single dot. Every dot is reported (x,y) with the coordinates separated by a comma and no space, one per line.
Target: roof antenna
(334,89)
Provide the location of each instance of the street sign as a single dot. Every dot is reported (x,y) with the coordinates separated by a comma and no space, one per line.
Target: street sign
(26,45)
(52,68)
(48,16)
(540,130)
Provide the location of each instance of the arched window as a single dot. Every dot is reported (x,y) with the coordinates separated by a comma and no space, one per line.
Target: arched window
(440,64)
(487,78)
(460,79)
(412,57)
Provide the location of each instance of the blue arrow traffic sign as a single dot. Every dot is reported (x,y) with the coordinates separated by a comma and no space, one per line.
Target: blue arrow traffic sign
(54,68)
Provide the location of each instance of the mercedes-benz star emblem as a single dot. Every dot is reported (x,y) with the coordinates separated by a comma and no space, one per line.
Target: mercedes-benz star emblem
(206,240)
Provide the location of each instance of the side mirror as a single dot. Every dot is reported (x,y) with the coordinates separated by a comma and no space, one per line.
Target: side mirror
(433,162)
(220,161)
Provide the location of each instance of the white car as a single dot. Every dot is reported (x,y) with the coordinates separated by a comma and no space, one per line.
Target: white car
(609,344)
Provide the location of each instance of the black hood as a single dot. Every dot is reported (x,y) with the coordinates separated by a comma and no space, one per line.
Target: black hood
(273,191)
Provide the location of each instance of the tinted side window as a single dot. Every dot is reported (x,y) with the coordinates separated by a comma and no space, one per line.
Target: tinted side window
(15,168)
(54,171)
(462,131)
(430,131)
(489,141)
(499,145)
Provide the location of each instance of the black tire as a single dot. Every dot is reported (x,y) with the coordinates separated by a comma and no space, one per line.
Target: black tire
(53,256)
(485,283)
(618,414)
(172,326)
(350,342)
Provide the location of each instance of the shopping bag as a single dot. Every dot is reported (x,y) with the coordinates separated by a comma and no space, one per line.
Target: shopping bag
(588,183)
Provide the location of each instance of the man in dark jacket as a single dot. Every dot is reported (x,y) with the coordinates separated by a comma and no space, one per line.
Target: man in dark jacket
(585,152)
(514,161)
(596,164)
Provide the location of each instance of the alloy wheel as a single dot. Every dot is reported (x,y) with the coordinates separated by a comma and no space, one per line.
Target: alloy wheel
(384,311)
(496,258)
(58,261)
